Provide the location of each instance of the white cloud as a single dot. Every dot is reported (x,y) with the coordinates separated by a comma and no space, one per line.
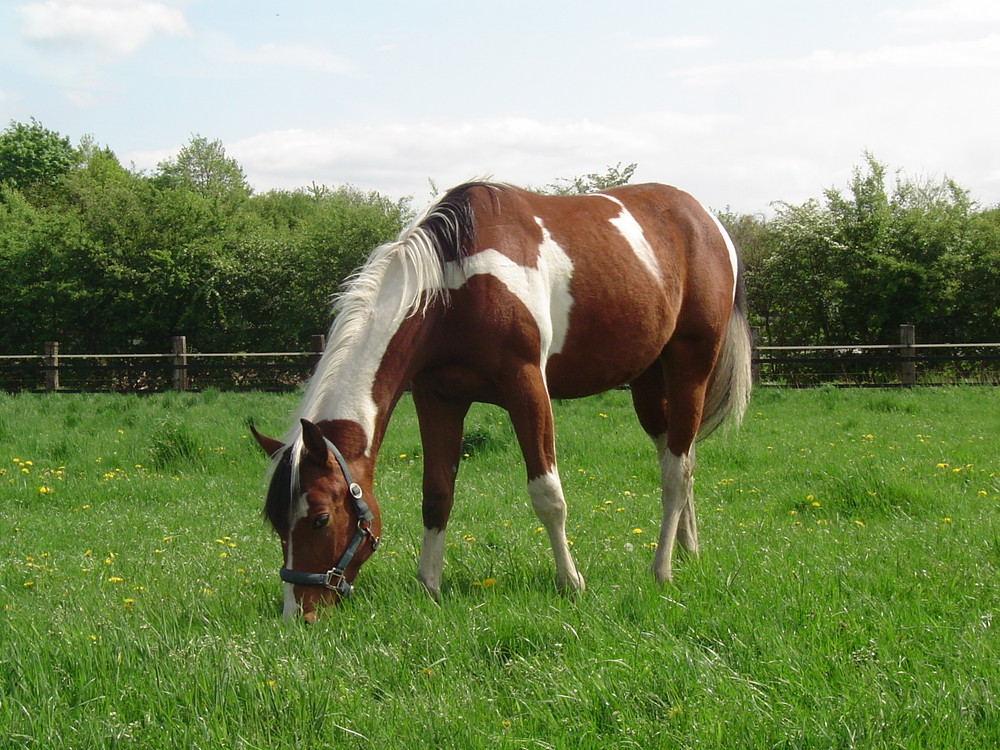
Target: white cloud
(119,27)
(298,56)
(674,43)
(946,14)
(975,55)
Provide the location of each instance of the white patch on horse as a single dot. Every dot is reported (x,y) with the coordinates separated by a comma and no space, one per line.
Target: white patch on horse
(550,507)
(431,563)
(677,499)
(730,247)
(544,290)
(291,607)
(629,228)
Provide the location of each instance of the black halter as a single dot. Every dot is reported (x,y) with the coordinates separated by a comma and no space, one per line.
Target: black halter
(334,578)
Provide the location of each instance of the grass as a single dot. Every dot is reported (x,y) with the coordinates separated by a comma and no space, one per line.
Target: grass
(846,595)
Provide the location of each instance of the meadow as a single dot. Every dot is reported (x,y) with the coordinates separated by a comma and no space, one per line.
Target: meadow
(847,594)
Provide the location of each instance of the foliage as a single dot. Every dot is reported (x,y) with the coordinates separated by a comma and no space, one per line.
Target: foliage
(846,594)
(852,268)
(594,181)
(32,156)
(106,259)
(115,260)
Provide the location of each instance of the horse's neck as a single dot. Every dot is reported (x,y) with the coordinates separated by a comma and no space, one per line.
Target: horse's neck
(362,375)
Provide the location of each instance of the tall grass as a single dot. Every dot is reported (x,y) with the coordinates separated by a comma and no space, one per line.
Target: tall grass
(846,596)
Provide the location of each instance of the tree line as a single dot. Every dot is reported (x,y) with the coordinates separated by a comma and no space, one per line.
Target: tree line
(106,258)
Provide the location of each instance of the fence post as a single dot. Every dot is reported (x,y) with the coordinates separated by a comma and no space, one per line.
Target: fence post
(317,343)
(754,354)
(180,361)
(907,351)
(51,362)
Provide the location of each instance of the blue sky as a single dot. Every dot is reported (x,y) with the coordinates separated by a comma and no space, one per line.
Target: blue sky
(740,103)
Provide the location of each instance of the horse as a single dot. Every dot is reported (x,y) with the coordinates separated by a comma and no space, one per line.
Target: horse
(500,295)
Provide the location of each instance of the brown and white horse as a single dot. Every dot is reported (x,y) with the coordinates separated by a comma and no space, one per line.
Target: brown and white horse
(509,297)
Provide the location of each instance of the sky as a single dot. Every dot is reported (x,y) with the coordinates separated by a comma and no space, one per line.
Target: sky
(743,104)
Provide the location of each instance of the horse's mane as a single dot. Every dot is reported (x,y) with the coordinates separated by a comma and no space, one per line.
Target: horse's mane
(444,232)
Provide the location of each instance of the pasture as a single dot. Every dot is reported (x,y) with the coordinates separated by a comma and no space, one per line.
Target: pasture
(847,594)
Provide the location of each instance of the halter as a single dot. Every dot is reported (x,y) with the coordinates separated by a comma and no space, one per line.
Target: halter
(334,578)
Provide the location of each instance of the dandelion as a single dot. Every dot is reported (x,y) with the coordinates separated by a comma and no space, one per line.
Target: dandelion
(636,531)
(468,538)
(945,520)
(43,490)
(859,523)
(602,415)
(115,579)
(29,584)
(485,583)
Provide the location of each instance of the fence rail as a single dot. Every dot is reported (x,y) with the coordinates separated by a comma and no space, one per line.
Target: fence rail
(903,364)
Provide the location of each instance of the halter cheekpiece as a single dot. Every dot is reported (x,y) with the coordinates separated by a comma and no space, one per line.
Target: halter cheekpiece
(334,579)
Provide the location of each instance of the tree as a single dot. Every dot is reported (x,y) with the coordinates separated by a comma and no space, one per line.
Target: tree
(32,155)
(589,183)
(202,166)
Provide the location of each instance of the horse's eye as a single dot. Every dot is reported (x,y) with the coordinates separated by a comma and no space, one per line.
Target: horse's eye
(321,520)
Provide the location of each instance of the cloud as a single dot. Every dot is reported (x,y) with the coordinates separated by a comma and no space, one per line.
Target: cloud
(947,14)
(118,27)
(974,55)
(400,157)
(296,56)
(674,43)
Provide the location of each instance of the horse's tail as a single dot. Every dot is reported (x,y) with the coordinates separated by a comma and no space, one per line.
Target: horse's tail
(729,389)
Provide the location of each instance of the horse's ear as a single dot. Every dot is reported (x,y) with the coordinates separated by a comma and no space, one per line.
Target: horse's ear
(270,446)
(314,442)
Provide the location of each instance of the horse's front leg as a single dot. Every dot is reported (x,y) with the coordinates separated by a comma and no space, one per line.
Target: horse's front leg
(441,424)
(531,415)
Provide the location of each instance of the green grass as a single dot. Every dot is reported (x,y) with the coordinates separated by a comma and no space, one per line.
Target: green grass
(847,594)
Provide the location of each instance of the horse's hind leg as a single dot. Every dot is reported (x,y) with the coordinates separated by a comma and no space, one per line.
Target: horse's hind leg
(530,411)
(670,414)
(441,424)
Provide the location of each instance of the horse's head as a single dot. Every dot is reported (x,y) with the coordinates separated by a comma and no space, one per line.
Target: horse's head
(321,506)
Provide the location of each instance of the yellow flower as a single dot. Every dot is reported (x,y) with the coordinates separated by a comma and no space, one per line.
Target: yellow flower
(115,579)
(860,523)
(636,531)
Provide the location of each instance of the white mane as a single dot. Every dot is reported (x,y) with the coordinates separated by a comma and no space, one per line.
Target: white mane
(413,261)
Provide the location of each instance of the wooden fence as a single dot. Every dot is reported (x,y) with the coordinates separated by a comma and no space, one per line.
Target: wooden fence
(904,364)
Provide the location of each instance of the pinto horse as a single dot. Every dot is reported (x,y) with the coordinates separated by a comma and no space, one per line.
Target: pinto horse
(509,297)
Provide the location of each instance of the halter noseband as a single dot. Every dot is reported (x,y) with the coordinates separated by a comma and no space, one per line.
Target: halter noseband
(334,578)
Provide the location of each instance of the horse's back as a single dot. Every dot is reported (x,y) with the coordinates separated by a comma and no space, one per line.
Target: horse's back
(590,286)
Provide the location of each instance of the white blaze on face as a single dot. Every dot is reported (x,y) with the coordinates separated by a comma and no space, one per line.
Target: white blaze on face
(544,290)
(629,228)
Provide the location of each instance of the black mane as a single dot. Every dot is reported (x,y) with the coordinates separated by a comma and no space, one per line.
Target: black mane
(278,502)
(452,222)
